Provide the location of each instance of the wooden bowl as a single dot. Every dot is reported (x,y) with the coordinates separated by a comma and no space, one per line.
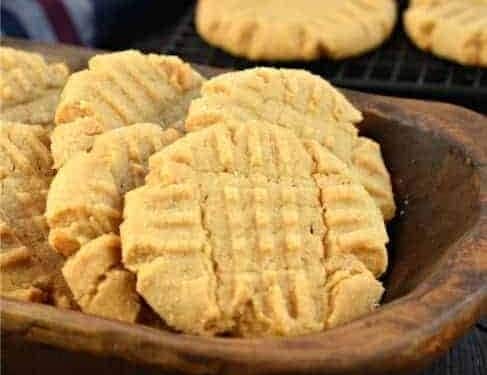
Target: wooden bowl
(436,284)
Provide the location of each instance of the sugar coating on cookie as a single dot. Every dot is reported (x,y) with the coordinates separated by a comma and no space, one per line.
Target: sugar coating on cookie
(431,24)
(29,87)
(304,103)
(84,210)
(292,30)
(120,89)
(248,230)
(29,269)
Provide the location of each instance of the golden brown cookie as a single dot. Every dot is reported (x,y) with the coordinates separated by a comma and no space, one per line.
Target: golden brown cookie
(243,228)
(452,29)
(84,209)
(98,282)
(29,87)
(304,103)
(119,89)
(30,269)
(293,30)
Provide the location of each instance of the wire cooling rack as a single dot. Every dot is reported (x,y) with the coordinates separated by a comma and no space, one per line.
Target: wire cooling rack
(397,68)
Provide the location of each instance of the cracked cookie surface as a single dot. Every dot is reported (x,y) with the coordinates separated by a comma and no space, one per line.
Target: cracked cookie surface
(29,87)
(30,269)
(120,89)
(431,24)
(304,103)
(84,210)
(291,30)
(246,229)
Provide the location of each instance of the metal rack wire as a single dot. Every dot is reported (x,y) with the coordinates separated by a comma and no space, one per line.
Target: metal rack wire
(397,68)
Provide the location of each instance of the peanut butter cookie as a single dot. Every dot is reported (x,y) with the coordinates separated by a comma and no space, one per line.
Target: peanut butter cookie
(29,87)
(293,30)
(84,210)
(245,229)
(304,103)
(120,89)
(452,29)
(30,269)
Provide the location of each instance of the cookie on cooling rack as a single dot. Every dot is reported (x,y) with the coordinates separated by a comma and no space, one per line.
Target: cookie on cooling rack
(452,29)
(304,103)
(243,228)
(29,269)
(29,87)
(120,89)
(293,30)
(84,209)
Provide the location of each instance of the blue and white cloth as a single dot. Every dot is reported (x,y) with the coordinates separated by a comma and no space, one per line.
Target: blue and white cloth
(82,22)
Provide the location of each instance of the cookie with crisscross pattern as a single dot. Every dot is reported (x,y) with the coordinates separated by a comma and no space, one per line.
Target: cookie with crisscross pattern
(246,229)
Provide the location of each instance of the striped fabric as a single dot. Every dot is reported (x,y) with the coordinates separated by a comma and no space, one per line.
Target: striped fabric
(109,24)
(84,22)
(67,21)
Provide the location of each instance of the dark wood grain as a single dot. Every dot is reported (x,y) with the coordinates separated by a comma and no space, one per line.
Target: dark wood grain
(436,285)
(468,357)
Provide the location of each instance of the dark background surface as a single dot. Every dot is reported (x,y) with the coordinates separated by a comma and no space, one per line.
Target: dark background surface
(167,30)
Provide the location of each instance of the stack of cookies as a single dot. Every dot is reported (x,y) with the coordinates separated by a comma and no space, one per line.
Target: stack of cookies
(245,205)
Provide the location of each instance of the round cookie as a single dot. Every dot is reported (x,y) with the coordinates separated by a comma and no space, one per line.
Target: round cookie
(452,29)
(84,210)
(29,269)
(119,89)
(29,87)
(245,229)
(294,30)
(304,103)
